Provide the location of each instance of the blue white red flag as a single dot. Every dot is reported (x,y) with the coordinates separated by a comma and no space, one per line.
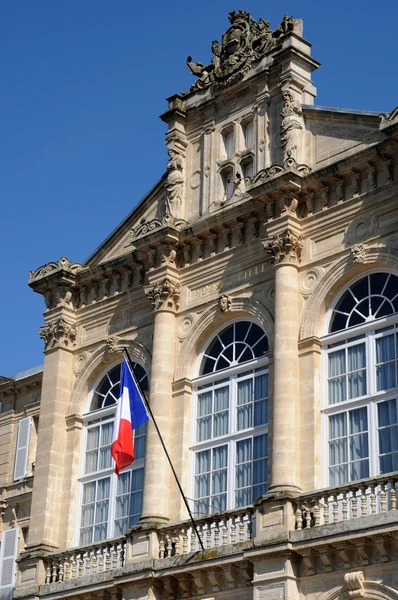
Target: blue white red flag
(130,413)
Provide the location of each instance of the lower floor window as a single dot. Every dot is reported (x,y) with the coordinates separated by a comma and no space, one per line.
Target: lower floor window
(230,475)
(363,442)
(110,504)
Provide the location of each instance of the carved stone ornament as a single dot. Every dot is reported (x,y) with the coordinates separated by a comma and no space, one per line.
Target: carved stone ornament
(58,334)
(285,247)
(245,42)
(292,126)
(175,178)
(112,344)
(387,119)
(224,303)
(290,163)
(358,253)
(164,296)
(354,582)
(146,227)
(63,264)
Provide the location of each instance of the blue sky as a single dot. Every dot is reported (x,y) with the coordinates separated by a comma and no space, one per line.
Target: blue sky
(83,83)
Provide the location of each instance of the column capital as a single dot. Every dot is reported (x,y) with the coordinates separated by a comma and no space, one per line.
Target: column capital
(59,333)
(164,295)
(284,247)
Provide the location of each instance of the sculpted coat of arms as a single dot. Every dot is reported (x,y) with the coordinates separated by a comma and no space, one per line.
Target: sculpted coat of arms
(246,41)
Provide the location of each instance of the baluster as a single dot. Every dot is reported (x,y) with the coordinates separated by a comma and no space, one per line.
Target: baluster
(383,498)
(114,552)
(94,560)
(161,547)
(87,562)
(241,526)
(61,569)
(344,504)
(307,516)
(107,550)
(335,509)
(80,564)
(326,513)
(232,529)
(53,571)
(299,517)
(364,503)
(317,513)
(48,572)
(225,532)
(123,553)
(184,541)
(207,536)
(393,495)
(101,564)
(372,499)
(177,543)
(73,567)
(169,545)
(216,533)
(354,504)
(193,540)
(67,567)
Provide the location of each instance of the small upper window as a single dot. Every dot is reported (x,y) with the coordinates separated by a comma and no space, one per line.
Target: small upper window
(228,138)
(236,344)
(248,134)
(370,298)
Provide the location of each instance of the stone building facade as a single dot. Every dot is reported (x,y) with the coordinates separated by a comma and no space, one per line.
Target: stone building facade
(256,289)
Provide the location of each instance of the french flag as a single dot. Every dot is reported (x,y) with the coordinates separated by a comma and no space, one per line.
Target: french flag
(130,413)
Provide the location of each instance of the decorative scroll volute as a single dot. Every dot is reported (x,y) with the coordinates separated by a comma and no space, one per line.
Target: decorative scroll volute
(285,247)
(164,295)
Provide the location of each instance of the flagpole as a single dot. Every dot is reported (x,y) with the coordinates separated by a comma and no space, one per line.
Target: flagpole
(126,352)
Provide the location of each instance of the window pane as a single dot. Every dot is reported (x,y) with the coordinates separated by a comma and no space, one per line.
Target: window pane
(87,515)
(338,451)
(338,425)
(358,420)
(89,492)
(92,438)
(260,413)
(260,446)
(338,474)
(105,460)
(386,371)
(359,446)
(337,363)
(387,413)
(359,470)
(204,404)
(91,461)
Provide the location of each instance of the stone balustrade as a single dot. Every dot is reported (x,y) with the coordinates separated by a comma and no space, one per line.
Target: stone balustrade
(348,501)
(215,531)
(78,562)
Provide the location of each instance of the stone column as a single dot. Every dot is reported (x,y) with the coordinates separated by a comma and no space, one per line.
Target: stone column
(164,297)
(59,337)
(285,248)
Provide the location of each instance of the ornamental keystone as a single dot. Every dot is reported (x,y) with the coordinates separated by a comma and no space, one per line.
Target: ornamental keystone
(285,247)
(164,295)
(58,334)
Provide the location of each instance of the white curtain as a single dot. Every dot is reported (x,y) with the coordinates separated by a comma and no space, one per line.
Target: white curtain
(260,400)
(221,405)
(105,459)
(357,371)
(92,450)
(219,478)
(385,354)
(245,404)
(337,383)
(338,449)
(388,435)
(204,416)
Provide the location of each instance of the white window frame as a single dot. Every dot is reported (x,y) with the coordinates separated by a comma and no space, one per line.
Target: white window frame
(93,416)
(369,332)
(257,366)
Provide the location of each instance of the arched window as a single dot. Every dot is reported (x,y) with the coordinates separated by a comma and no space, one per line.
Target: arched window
(109,504)
(361,362)
(230,447)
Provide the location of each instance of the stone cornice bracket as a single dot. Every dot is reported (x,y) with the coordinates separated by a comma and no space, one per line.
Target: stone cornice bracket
(164,295)
(146,227)
(64,264)
(354,582)
(285,248)
(387,119)
(59,334)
